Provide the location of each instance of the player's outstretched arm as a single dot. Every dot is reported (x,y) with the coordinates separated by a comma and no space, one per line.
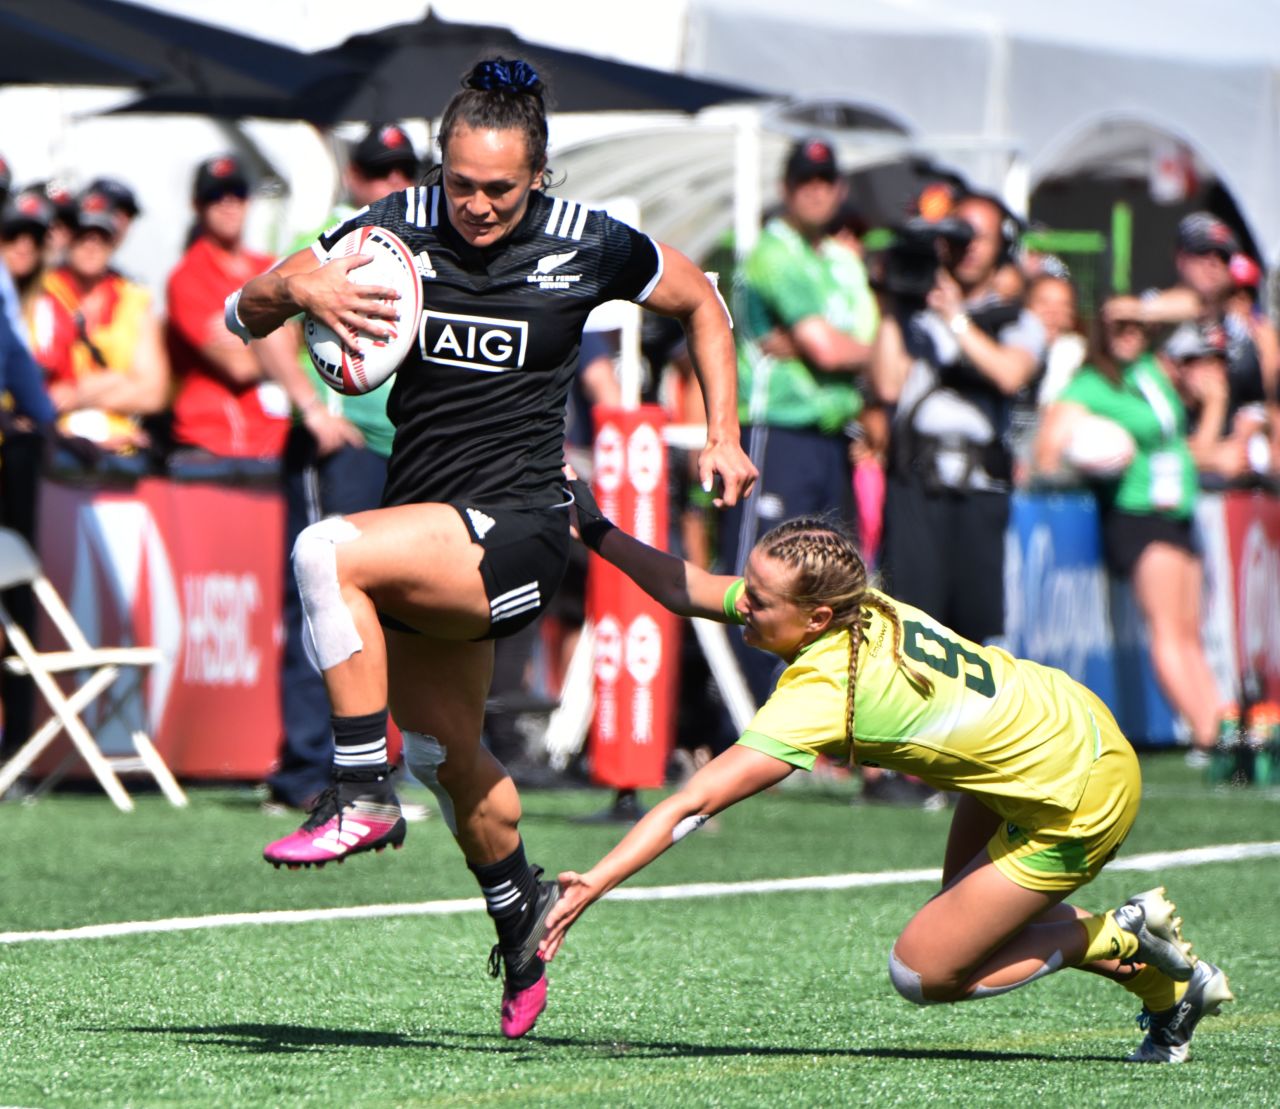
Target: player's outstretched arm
(301,284)
(679,586)
(688,294)
(730,777)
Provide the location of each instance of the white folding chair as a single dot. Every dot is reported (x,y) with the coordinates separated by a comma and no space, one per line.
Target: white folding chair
(97,670)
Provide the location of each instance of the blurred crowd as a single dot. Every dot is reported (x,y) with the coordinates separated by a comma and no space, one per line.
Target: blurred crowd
(903,380)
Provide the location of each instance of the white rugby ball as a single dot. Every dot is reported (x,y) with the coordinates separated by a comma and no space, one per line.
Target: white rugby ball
(378,358)
(1099,447)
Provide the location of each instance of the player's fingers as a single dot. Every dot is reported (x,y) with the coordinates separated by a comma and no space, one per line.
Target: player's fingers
(350,262)
(358,323)
(381,296)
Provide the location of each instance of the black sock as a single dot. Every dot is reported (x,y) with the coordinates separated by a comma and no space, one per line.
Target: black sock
(360,745)
(510,889)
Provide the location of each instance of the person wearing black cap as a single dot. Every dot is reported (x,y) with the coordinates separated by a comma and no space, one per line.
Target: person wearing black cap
(24,223)
(228,403)
(803,336)
(335,462)
(1204,295)
(124,204)
(99,340)
(385,151)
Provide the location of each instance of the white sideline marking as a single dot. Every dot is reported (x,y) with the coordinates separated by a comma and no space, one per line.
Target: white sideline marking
(1157,860)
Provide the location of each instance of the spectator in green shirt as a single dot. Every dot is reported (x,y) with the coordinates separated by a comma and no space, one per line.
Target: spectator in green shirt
(1147,507)
(804,319)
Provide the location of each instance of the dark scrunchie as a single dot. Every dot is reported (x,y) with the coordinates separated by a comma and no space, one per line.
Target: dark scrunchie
(505,75)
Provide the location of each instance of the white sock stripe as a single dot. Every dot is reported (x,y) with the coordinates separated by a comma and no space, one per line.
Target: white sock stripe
(358,748)
(510,594)
(373,759)
(580,222)
(497,904)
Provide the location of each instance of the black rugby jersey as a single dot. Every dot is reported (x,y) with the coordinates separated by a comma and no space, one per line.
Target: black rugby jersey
(478,405)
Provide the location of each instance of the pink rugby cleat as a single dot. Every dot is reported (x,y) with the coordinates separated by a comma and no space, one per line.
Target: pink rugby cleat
(521,1009)
(521,1006)
(352,815)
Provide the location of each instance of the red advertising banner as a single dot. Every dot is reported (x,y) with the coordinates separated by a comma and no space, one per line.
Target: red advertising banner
(636,639)
(1253,537)
(196,570)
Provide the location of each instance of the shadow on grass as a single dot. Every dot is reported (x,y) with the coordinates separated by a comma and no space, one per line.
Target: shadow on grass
(286,1039)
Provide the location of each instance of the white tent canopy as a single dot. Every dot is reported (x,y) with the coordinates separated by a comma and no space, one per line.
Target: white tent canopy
(1012,92)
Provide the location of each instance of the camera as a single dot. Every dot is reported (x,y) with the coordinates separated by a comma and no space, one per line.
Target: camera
(919,246)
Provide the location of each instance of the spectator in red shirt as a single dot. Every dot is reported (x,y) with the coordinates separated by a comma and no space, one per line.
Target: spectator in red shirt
(228,403)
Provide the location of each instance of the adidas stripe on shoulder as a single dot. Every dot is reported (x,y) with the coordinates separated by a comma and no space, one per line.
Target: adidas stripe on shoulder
(568,218)
(422,205)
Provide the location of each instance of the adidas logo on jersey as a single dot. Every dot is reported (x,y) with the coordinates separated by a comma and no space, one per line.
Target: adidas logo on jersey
(481,524)
(545,277)
(422,263)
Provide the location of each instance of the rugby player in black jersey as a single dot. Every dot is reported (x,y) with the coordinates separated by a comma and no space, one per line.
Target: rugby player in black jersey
(402,603)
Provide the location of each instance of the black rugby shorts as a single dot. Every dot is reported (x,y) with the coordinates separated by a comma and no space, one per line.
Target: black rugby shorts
(525,554)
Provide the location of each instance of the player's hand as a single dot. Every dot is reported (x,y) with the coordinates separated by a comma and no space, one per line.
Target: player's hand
(576,895)
(331,432)
(350,309)
(585,517)
(725,470)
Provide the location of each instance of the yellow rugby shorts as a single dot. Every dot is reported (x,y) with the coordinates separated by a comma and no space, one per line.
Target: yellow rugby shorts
(1066,852)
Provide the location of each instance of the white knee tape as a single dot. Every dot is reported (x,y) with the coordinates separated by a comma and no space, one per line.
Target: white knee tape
(1054,962)
(905,980)
(424,755)
(329,634)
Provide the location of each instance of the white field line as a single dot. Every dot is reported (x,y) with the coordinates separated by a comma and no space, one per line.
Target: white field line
(1154,861)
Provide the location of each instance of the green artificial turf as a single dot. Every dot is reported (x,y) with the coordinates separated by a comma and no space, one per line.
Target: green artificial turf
(751,999)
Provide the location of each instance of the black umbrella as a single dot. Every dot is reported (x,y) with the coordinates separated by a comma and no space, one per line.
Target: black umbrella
(412,69)
(34,54)
(111,42)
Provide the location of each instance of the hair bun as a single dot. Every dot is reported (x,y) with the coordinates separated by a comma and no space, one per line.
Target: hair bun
(504,75)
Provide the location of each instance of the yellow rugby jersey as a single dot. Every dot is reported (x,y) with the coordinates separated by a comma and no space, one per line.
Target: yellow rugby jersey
(1018,735)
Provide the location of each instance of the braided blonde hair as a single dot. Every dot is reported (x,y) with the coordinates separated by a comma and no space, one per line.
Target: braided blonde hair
(828,570)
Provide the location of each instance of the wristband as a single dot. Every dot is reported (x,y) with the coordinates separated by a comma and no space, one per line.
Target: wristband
(231,317)
(960,323)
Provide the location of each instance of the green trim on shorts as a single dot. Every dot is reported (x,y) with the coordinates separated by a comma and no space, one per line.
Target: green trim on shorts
(1069,857)
(767,745)
(730,601)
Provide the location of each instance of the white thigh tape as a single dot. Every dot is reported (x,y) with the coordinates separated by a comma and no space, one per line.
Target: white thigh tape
(329,633)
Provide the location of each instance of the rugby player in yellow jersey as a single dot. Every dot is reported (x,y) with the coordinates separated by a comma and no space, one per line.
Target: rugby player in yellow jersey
(1048,785)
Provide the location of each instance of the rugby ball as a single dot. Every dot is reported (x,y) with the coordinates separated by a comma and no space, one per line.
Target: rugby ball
(1099,447)
(377,358)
